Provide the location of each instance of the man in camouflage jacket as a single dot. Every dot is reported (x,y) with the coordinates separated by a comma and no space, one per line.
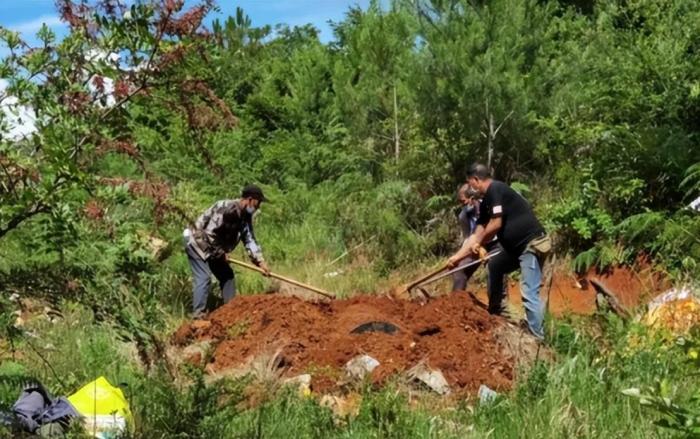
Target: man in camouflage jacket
(215,234)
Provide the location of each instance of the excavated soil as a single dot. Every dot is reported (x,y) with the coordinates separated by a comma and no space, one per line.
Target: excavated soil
(452,333)
(571,294)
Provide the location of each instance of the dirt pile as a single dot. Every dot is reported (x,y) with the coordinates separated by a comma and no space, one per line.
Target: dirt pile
(452,333)
(575,295)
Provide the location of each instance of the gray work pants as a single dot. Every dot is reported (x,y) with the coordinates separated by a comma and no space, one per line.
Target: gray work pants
(201,279)
(461,277)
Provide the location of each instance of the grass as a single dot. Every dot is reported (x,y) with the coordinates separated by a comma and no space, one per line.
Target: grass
(579,395)
(239,329)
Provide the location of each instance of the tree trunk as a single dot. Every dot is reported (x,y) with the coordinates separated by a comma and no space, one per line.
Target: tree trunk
(397,145)
(491,138)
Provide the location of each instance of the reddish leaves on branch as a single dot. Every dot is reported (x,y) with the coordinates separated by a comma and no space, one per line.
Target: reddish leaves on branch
(73,14)
(172,57)
(187,23)
(156,191)
(121,146)
(76,101)
(94,210)
(155,37)
(127,148)
(121,89)
(99,83)
(172,6)
(201,115)
(110,7)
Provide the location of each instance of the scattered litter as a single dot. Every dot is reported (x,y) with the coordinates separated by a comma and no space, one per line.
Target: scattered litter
(434,379)
(360,366)
(486,394)
(695,204)
(302,382)
(677,310)
(669,296)
(333,273)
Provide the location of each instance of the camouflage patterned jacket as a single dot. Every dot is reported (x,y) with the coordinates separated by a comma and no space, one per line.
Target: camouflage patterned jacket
(221,227)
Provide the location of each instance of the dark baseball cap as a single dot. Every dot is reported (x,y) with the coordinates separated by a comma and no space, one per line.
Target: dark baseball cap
(253,191)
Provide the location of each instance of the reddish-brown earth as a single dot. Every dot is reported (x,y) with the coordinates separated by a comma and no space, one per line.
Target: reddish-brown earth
(570,295)
(452,332)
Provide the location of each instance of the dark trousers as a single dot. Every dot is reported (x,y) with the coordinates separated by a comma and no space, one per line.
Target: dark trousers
(461,277)
(201,279)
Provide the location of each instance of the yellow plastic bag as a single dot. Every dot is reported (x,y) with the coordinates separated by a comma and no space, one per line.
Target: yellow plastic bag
(104,408)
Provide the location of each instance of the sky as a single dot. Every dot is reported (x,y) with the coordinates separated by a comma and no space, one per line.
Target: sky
(26,16)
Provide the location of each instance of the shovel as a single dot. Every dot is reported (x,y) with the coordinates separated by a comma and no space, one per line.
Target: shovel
(284,279)
(438,274)
(417,282)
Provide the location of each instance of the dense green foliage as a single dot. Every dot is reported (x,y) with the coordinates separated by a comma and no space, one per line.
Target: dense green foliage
(365,137)
(360,143)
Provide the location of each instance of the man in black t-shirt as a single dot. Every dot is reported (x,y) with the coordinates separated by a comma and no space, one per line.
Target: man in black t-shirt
(506,214)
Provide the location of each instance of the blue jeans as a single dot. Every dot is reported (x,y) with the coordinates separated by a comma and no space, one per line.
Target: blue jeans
(530,282)
(201,279)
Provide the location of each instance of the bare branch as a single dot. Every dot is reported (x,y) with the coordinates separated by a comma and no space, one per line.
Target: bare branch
(22,216)
(502,122)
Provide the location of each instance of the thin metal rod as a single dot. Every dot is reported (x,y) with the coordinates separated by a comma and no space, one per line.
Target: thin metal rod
(456,269)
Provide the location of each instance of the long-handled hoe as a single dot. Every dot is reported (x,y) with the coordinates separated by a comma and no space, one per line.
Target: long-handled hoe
(284,279)
(445,271)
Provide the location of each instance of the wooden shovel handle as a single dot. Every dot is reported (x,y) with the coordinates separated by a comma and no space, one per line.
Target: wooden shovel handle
(426,277)
(283,278)
(483,255)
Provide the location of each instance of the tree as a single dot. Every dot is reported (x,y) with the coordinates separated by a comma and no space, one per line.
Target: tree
(80,90)
(477,84)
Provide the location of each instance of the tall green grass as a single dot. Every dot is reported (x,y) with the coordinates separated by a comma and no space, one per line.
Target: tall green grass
(577,395)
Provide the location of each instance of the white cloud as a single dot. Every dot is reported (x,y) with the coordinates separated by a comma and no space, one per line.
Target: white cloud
(20,118)
(32,26)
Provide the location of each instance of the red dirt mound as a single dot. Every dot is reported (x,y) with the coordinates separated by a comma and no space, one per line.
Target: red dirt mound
(631,287)
(452,333)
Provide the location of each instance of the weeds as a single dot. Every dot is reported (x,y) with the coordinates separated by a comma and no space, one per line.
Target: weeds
(579,395)
(239,329)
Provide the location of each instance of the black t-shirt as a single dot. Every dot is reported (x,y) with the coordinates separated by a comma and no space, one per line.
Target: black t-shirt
(520,225)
